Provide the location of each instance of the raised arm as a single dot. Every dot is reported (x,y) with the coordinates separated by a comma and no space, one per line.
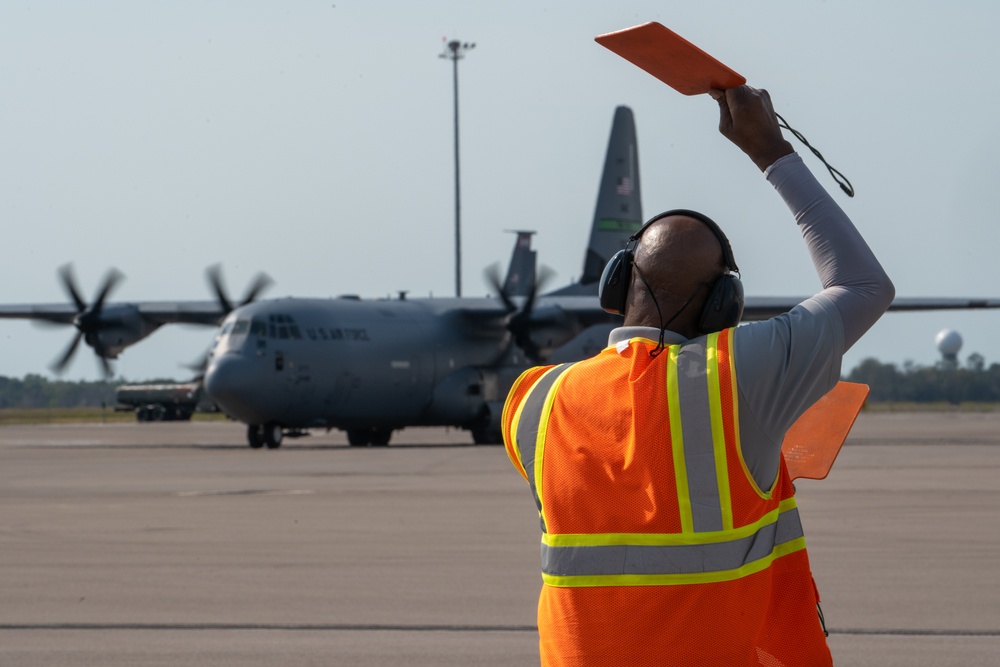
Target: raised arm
(851,275)
(785,364)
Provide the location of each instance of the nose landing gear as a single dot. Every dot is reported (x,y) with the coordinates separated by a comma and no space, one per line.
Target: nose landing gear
(269,434)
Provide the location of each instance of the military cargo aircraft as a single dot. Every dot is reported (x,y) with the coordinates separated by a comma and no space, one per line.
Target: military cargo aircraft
(370,367)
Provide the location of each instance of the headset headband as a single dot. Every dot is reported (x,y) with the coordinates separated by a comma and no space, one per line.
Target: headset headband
(727,250)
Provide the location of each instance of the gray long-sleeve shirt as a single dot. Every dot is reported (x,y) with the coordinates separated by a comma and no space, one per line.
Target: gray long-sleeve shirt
(787,363)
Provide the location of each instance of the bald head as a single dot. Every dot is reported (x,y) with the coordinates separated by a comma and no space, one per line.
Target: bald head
(678,256)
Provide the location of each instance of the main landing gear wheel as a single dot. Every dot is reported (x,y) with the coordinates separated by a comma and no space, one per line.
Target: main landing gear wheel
(272,435)
(360,437)
(269,434)
(254,436)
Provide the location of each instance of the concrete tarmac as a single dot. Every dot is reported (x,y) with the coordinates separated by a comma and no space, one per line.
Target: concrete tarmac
(170,544)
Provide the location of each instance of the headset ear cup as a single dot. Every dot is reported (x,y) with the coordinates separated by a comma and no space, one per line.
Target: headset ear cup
(612,292)
(724,307)
(737,301)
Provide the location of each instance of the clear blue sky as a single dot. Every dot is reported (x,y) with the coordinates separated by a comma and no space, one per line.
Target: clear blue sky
(313,141)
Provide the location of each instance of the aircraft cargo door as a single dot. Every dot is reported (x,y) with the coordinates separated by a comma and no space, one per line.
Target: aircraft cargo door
(409,362)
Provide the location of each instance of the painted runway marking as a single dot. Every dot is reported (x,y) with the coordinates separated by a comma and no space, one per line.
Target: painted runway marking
(391,627)
(246,492)
(334,627)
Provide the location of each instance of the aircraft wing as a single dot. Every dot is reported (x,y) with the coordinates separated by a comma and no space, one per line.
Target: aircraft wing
(208,313)
(943,303)
(586,311)
(761,308)
(183,312)
(61,313)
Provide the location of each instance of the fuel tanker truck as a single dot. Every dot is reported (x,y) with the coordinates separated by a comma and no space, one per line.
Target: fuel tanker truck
(174,401)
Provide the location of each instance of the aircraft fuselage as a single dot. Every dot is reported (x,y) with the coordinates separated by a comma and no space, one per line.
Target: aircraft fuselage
(362,365)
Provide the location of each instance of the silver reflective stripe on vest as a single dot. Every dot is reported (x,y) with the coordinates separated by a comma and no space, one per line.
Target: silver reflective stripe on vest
(680,559)
(699,452)
(526,436)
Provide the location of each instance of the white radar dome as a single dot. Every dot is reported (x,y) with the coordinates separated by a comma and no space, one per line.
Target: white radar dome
(948,342)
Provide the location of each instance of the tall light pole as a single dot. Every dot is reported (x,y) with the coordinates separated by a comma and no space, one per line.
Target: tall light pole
(454,51)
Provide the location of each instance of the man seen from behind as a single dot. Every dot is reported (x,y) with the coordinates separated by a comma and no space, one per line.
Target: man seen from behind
(670,534)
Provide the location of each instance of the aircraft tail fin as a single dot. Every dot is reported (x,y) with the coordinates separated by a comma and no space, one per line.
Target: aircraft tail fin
(618,213)
(520,280)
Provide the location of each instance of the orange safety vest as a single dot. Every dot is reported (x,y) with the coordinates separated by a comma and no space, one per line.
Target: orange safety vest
(658,548)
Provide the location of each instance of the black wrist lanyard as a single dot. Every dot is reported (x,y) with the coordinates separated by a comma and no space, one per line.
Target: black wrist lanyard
(842,181)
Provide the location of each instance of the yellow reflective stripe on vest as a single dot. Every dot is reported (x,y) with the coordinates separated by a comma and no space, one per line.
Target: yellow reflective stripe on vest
(529,425)
(677,441)
(752,567)
(605,539)
(718,431)
(670,559)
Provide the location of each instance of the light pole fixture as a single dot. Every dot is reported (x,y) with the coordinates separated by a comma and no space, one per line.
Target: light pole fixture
(454,51)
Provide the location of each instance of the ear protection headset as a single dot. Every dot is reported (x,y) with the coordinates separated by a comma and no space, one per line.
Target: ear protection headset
(724,306)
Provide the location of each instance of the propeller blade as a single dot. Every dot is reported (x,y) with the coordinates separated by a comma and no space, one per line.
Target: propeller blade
(62,362)
(106,367)
(111,280)
(261,282)
(214,274)
(545,275)
(492,276)
(520,323)
(69,284)
(199,365)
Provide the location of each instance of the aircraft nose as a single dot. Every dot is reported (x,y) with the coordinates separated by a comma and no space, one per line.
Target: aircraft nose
(229,382)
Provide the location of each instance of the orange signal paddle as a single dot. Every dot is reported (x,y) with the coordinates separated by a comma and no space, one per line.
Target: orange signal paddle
(670,58)
(813,442)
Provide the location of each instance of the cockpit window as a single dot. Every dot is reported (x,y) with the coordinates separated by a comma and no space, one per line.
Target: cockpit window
(241,327)
(275,326)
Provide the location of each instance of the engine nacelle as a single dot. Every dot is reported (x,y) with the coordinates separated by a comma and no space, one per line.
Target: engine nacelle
(120,327)
(458,399)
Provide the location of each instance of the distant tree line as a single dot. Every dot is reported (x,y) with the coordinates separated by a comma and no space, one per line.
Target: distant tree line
(36,391)
(943,382)
(971,382)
